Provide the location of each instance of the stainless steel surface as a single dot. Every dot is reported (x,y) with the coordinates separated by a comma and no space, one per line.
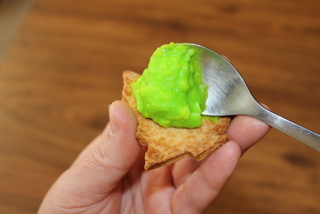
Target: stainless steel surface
(229,95)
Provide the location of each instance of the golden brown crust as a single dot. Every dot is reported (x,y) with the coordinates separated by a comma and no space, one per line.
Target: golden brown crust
(168,145)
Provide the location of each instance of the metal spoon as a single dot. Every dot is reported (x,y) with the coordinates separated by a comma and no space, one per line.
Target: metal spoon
(229,95)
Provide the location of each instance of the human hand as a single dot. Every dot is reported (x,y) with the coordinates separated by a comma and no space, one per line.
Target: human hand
(108,176)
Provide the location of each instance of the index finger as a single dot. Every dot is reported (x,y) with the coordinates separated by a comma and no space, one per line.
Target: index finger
(246,131)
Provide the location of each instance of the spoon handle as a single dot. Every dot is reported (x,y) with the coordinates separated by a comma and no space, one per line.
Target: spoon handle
(290,128)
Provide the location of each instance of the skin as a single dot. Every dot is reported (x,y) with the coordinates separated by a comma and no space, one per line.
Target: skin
(108,175)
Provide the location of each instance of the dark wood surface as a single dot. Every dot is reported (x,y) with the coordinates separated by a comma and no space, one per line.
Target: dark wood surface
(64,67)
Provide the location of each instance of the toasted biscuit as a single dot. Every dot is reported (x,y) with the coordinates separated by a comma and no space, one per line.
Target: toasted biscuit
(168,145)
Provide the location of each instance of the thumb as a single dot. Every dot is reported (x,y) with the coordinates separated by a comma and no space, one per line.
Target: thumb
(101,165)
(113,153)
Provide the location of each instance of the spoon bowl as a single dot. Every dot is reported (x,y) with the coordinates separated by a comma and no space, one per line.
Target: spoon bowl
(228,95)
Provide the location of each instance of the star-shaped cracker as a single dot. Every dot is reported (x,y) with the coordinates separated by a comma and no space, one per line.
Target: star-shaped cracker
(168,145)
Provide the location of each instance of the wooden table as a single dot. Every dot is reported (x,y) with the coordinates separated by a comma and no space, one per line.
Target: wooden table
(65,65)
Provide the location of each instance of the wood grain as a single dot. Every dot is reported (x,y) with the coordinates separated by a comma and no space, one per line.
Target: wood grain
(64,68)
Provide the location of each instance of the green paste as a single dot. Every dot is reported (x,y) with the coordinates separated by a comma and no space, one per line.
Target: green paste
(171,91)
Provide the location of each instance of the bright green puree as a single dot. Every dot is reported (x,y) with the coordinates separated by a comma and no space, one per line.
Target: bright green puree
(171,90)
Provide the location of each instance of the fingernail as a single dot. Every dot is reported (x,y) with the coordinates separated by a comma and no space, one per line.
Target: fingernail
(113,124)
